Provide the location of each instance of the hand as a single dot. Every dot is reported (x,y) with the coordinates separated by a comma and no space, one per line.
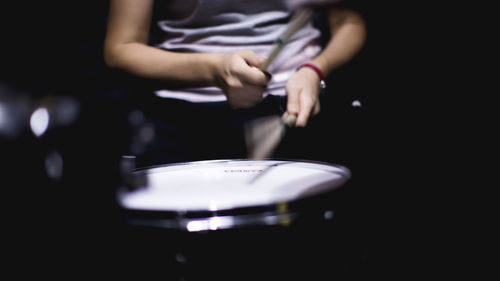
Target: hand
(303,95)
(240,79)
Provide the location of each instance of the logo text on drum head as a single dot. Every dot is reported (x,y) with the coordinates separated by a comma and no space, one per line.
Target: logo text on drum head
(243,171)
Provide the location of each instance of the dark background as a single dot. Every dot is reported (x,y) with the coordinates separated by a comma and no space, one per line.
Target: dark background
(400,216)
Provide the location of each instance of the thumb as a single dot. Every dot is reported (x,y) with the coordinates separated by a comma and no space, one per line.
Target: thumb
(251,73)
(252,58)
(293,103)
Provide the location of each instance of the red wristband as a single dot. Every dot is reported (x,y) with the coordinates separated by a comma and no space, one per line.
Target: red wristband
(316,69)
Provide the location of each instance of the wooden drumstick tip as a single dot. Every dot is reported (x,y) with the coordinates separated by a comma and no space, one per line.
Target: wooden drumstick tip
(290,120)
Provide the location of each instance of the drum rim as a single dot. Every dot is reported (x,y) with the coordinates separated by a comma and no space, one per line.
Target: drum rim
(214,221)
(281,213)
(276,214)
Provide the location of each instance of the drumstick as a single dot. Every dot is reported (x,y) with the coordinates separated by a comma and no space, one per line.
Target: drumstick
(299,19)
(263,135)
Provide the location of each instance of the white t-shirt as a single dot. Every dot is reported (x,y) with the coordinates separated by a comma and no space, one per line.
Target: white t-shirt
(225,26)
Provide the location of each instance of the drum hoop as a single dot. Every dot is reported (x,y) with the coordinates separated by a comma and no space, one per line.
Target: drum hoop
(217,222)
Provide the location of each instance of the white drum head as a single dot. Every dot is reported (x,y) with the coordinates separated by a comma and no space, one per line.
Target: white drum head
(228,184)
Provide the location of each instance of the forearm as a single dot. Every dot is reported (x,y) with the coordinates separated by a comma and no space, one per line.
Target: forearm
(126,48)
(179,69)
(348,34)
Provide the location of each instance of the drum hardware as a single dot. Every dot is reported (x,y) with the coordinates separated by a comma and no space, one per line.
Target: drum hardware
(218,222)
(142,132)
(130,180)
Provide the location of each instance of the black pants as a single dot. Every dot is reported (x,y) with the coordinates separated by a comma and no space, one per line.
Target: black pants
(185,131)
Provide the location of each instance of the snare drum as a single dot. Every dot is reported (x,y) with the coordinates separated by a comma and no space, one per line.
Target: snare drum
(273,216)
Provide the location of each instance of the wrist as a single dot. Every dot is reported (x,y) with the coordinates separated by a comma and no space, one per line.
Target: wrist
(214,69)
(316,69)
(319,73)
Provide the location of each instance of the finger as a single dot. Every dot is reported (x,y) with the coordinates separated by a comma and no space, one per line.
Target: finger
(252,58)
(317,108)
(293,102)
(306,107)
(251,73)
